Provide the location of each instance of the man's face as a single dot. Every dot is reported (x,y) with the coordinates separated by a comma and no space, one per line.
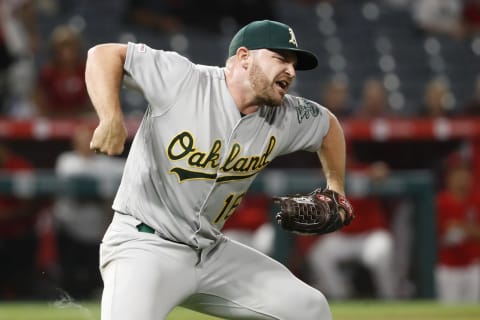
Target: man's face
(271,74)
(459,180)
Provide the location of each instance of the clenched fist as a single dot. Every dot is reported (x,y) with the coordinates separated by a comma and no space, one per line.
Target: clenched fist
(109,137)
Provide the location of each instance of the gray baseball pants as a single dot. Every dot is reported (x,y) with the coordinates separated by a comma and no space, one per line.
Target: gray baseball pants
(146,276)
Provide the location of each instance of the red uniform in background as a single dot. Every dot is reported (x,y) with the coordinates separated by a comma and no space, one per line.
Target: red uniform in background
(370,215)
(65,90)
(367,240)
(458,233)
(465,250)
(250,214)
(61,90)
(250,223)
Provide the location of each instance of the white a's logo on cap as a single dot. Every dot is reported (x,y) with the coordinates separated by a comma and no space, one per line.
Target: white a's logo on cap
(292,40)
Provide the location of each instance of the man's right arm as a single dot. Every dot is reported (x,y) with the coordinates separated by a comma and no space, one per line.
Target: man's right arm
(103,76)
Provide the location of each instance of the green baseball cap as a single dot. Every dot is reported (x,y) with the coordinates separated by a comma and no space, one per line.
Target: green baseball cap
(267,34)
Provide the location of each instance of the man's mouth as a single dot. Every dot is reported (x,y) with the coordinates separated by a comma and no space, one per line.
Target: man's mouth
(282,84)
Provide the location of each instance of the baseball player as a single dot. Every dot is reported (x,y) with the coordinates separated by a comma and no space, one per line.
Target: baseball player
(207,132)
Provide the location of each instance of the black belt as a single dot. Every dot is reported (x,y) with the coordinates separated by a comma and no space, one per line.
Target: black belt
(142,227)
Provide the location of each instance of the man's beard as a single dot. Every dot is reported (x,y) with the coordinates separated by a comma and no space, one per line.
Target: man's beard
(262,87)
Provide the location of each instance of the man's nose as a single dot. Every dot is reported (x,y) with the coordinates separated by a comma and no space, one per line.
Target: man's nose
(291,70)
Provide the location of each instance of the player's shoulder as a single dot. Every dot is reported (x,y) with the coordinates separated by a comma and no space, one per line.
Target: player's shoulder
(291,100)
(213,72)
(174,59)
(143,51)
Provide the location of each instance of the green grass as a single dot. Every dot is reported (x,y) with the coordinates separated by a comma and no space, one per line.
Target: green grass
(74,311)
(352,310)
(413,310)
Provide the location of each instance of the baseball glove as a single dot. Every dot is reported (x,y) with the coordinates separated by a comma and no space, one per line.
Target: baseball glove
(317,212)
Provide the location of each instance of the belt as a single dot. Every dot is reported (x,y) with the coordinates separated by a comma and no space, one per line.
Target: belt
(142,227)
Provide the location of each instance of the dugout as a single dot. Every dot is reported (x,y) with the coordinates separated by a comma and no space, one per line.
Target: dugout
(42,140)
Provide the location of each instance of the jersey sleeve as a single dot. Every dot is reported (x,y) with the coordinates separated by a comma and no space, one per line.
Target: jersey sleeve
(306,122)
(158,74)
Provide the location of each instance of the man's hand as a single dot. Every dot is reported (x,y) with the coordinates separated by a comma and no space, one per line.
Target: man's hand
(318,212)
(109,137)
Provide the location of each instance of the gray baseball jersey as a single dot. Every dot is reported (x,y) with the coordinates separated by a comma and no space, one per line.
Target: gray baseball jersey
(194,156)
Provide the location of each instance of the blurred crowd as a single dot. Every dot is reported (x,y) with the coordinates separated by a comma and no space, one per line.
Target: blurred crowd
(43,46)
(52,243)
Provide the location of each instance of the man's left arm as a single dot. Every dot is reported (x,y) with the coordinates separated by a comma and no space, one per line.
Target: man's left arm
(332,156)
(323,210)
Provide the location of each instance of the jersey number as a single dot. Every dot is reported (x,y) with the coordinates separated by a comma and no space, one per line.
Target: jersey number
(229,205)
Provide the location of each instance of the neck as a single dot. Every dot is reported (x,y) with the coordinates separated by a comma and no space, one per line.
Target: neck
(241,92)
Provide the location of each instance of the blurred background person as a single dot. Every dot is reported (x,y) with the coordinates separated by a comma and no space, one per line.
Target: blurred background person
(81,220)
(458,225)
(336,97)
(18,238)
(439,17)
(438,100)
(19,42)
(471,147)
(365,247)
(471,17)
(372,105)
(61,89)
(472,105)
(373,101)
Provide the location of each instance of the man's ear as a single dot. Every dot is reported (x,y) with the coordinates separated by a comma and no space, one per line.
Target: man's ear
(243,55)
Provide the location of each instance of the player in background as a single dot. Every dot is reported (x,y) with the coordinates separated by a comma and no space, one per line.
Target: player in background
(458,229)
(205,135)
(81,220)
(61,90)
(368,242)
(328,259)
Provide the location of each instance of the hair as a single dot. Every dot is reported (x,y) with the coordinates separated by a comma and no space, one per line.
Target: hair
(65,35)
